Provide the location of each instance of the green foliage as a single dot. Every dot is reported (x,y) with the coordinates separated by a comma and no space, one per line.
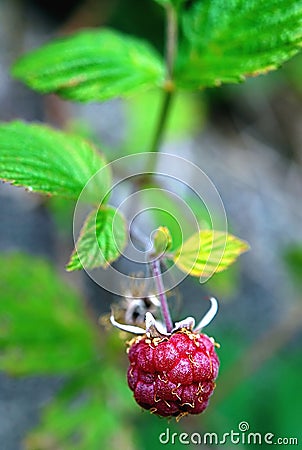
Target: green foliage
(142,111)
(227,41)
(91,65)
(50,162)
(102,239)
(175,3)
(90,411)
(208,252)
(44,327)
(225,284)
(263,399)
(293,261)
(46,330)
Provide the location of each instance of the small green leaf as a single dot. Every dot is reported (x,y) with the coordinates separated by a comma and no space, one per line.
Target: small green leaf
(44,328)
(208,252)
(227,41)
(51,162)
(91,65)
(101,240)
(162,240)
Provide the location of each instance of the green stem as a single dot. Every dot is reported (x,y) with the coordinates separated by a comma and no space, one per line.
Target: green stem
(162,122)
(172,36)
(171,47)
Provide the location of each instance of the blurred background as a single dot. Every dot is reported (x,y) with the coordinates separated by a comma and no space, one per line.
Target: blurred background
(247,138)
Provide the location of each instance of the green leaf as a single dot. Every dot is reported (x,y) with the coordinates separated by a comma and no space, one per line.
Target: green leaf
(91,409)
(227,41)
(101,240)
(208,252)
(44,328)
(92,65)
(51,162)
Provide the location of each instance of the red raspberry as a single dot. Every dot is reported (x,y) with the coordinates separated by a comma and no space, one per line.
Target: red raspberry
(173,375)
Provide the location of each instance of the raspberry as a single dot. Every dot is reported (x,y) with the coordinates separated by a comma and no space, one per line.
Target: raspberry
(173,375)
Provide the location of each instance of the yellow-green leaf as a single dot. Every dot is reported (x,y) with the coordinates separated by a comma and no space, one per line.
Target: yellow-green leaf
(208,252)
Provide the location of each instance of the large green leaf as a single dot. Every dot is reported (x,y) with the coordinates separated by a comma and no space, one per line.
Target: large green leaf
(102,239)
(51,162)
(208,252)
(227,41)
(44,327)
(91,65)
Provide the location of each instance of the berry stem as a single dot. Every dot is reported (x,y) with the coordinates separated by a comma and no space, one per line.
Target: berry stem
(168,88)
(155,266)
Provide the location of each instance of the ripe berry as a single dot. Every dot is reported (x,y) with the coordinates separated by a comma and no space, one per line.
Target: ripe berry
(173,375)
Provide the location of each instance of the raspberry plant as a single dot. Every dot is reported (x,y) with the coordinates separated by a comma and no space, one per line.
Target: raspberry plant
(208,43)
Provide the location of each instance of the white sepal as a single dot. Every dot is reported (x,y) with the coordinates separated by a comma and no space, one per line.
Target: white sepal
(129,328)
(209,316)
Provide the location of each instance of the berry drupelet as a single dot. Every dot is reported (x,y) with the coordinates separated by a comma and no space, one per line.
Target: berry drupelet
(172,374)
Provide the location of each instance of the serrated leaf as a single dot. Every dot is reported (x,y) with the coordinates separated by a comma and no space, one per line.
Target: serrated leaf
(101,240)
(227,41)
(91,65)
(209,252)
(44,328)
(51,162)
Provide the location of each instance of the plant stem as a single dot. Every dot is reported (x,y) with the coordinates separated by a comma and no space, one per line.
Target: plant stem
(155,266)
(162,122)
(171,47)
(172,38)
